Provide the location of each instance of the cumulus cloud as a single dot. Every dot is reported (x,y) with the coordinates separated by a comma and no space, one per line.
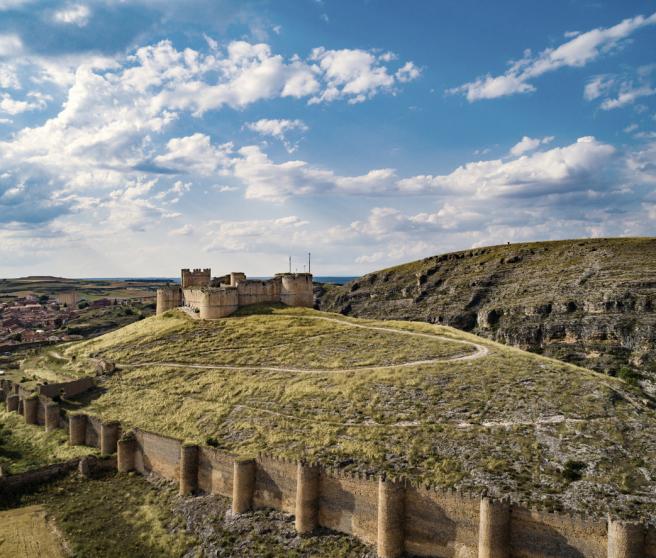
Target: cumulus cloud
(527,144)
(75,14)
(278,128)
(265,179)
(556,170)
(577,52)
(357,75)
(255,235)
(97,155)
(34,101)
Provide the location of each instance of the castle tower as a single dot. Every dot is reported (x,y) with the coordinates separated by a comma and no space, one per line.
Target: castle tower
(195,278)
(296,289)
(168,298)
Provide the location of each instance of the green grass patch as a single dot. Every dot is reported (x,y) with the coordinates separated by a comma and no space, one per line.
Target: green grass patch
(26,446)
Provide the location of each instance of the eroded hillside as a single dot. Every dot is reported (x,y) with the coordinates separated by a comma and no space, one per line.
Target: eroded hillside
(590,302)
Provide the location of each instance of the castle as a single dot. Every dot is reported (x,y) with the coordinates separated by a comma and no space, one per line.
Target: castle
(218,297)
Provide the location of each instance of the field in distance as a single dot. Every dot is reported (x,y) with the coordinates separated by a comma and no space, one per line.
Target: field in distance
(427,402)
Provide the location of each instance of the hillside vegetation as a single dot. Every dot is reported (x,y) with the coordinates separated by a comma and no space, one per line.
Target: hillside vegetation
(427,402)
(590,302)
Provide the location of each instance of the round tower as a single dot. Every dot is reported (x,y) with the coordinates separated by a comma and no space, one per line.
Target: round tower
(168,298)
(296,289)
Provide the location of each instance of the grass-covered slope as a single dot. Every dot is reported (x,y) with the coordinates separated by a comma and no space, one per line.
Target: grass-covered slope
(426,401)
(25,446)
(590,302)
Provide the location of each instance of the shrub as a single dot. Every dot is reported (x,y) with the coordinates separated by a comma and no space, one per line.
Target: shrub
(82,305)
(573,470)
(627,374)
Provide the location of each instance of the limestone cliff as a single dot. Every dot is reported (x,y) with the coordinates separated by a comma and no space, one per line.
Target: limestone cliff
(589,302)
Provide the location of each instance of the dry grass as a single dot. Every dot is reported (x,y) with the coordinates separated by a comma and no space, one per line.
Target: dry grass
(284,338)
(508,422)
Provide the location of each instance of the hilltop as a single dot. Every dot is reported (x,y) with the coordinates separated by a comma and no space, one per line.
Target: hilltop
(589,302)
(426,402)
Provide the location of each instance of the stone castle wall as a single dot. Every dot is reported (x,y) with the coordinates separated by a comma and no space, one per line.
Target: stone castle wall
(296,289)
(168,298)
(395,516)
(212,303)
(195,278)
(220,297)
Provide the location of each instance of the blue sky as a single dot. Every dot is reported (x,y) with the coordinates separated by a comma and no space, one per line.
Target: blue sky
(138,137)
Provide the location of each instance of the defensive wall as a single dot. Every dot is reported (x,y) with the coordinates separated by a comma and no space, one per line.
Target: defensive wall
(394,515)
(222,296)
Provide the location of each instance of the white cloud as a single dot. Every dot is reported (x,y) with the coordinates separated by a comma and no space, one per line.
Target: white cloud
(628,95)
(527,144)
(185,230)
(225,188)
(267,180)
(278,128)
(35,101)
(255,235)
(194,153)
(577,52)
(12,4)
(597,87)
(10,45)
(356,75)
(620,91)
(9,77)
(407,72)
(558,170)
(75,14)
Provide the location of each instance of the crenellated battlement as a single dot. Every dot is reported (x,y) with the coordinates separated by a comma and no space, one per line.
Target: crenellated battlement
(195,278)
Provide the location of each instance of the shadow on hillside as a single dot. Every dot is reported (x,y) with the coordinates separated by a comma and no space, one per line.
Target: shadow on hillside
(83,399)
(263,308)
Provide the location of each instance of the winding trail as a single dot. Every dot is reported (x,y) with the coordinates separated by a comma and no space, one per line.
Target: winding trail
(480,352)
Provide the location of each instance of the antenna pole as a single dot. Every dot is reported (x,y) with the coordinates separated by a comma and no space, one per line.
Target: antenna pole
(290,264)
(309,262)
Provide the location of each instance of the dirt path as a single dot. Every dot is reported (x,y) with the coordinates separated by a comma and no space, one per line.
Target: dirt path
(480,352)
(25,533)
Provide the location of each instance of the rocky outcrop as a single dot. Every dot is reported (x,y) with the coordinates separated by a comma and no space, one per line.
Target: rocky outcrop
(591,302)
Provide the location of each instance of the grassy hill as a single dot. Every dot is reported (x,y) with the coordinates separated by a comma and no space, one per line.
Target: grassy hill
(425,401)
(591,302)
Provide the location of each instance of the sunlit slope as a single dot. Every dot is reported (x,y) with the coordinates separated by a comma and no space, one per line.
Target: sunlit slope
(424,401)
(287,338)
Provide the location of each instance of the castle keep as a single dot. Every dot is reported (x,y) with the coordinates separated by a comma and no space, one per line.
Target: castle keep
(221,296)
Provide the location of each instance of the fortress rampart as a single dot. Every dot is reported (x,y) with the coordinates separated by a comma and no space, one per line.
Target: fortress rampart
(392,514)
(222,296)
